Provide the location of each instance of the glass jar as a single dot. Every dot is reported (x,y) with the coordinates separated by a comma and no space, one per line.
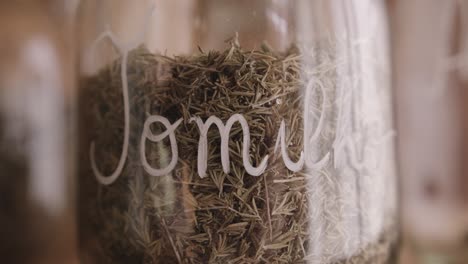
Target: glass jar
(37,220)
(236,131)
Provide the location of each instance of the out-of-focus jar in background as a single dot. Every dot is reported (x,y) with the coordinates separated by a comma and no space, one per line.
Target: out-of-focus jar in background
(236,131)
(430,45)
(37,212)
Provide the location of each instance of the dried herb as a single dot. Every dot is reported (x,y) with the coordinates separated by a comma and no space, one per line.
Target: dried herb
(181,217)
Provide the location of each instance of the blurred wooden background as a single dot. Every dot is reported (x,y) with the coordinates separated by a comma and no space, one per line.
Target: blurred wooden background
(429,40)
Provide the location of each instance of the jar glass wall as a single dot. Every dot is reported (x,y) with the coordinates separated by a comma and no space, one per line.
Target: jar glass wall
(241,131)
